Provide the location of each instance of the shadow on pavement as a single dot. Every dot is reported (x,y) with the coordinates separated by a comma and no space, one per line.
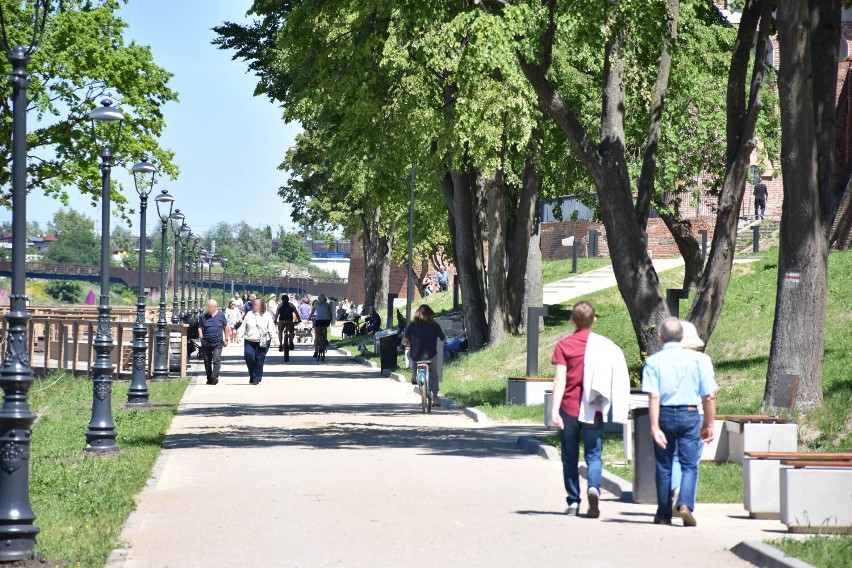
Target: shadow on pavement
(485,443)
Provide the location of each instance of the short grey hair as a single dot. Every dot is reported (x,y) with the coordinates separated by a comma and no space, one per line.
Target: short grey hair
(671,330)
(212,303)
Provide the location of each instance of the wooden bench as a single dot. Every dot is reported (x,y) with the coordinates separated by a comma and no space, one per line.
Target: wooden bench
(816,495)
(759,433)
(762,482)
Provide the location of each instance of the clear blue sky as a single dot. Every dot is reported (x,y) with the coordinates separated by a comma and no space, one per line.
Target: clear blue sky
(228,143)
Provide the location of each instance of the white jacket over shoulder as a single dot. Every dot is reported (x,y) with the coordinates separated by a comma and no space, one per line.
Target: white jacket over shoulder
(606,382)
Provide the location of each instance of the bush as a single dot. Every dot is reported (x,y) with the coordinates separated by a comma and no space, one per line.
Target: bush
(65,291)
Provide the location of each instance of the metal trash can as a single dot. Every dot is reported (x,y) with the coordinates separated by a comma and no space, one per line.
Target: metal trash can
(644,463)
(548,402)
(387,349)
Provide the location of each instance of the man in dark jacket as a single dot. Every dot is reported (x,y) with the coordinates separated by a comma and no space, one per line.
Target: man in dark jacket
(761,193)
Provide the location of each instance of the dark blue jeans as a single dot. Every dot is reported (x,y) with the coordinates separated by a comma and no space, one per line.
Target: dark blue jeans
(255,356)
(682,428)
(592,436)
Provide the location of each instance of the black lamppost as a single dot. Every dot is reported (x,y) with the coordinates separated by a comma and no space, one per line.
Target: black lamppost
(202,260)
(184,242)
(17,529)
(224,262)
(199,274)
(137,393)
(245,275)
(190,281)
(263,280)
(100,437)
(210,277)
(165,205)
(180,218)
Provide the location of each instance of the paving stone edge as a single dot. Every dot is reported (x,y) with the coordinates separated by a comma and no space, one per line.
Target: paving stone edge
(766,556)
(473,413)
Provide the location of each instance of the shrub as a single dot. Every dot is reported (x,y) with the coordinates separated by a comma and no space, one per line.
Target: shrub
(65,291)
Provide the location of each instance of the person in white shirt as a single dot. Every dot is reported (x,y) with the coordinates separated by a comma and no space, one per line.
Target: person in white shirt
(233,314)
(272,306)
(257,330)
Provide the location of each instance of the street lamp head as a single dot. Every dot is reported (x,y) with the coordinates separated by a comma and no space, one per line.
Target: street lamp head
(140,170)
(40,9)
(165,203)
(106,128)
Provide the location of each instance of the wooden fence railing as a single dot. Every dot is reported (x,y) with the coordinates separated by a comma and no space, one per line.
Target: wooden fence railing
(68,343)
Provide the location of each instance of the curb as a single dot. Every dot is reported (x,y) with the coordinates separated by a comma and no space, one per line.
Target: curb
(610,482)
(473,413)
(532,445)
(766,556)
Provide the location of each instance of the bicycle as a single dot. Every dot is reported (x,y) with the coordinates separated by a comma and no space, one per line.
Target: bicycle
(425,390)
(321,343)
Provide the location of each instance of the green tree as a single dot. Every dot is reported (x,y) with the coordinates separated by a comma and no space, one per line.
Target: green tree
(76,242)
(83,59)
(292,249)
(65,291)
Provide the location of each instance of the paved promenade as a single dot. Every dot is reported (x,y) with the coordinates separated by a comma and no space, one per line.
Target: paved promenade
(331,465)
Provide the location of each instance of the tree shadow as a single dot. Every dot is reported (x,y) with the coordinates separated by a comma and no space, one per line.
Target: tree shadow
(741,364)
(483,443)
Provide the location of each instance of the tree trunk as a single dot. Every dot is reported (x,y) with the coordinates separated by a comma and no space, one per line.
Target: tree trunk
(808,34)
(520,246)
(688,247)
(377,261)
(741,119)
(467,263)
(498,306)
(533,284)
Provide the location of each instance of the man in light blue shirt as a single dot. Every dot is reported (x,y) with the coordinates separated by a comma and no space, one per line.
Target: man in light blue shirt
(678,380)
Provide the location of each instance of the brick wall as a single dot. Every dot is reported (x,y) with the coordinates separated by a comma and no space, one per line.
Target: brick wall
(398,275)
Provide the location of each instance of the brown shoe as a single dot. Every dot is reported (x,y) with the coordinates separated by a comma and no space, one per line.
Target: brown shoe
(436,401)
(686,515)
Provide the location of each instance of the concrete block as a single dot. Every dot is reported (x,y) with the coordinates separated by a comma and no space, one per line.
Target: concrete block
(746,437)
(816,499)
(716,451)
(762,488)
(524,391)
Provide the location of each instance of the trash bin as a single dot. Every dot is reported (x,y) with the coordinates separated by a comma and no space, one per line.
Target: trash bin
(548,402)
(644,463)
(387,349)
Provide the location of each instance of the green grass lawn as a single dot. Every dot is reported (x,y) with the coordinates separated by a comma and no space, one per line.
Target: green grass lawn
(553,270)
(821,551)
(81,500)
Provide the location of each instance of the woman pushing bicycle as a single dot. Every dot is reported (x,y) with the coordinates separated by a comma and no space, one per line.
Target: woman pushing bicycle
(422,336)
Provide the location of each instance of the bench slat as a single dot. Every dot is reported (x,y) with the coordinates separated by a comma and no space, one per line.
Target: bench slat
(798,456)
(814,463)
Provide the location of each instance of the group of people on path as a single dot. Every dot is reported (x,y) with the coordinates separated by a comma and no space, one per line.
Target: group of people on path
(254,322)
(592,385)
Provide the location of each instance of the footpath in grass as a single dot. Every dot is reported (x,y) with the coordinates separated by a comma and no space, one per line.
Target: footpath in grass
(82,500)
(555,270)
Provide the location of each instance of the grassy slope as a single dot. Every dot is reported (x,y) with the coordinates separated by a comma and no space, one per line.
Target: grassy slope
(739,348)
(82,501)
(821,551)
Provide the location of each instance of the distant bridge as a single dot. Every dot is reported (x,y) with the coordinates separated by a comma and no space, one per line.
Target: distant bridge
(335,287)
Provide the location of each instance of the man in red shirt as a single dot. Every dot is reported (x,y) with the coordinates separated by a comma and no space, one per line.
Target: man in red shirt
(569,358)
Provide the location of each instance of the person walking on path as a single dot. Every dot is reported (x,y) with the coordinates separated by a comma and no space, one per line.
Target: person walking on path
(692,341)
(761,193)
(591,381)
(422,337)
(233,314)
(678,381)
(214,331)
(257,332)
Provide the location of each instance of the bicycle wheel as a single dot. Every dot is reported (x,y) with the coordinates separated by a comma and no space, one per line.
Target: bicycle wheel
(425,407)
